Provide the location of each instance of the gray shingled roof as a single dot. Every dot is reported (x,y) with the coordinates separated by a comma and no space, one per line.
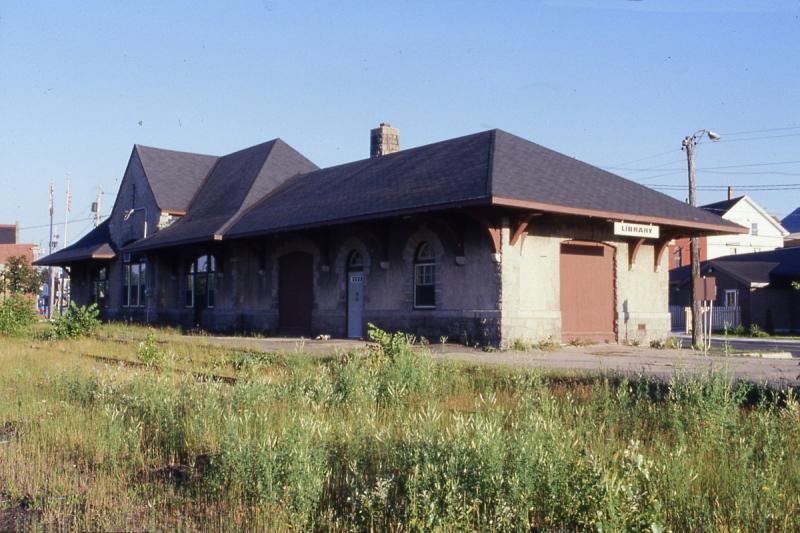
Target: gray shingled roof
(492,167)
(174,177)
(721,207)
(94,245)
(236,182)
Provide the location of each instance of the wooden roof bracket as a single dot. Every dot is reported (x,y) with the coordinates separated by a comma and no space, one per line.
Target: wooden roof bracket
(660,247)
(494,230)
(633,251)
(521,231)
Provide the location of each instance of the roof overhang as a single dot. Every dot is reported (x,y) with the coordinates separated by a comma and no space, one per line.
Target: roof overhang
(55,260)
(704,227)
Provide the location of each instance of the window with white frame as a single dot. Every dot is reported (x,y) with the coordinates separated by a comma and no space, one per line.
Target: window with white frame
(201,282)
(134,278)
(754,229)
(424,277)
(731,298)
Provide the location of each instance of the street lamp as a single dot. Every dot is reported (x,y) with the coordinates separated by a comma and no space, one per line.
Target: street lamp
(688,144)
(130,212)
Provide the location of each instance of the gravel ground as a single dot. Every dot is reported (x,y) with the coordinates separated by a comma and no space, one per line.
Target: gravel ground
(629,360)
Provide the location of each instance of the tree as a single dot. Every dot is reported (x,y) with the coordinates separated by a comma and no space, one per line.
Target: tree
(19,277)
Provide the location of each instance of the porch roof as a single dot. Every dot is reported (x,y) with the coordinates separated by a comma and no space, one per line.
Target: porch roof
(94,245)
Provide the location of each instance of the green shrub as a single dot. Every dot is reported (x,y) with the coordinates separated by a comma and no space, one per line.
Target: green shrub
(16,314)
(77,322)
(739,330)
(755,331)
(148,351)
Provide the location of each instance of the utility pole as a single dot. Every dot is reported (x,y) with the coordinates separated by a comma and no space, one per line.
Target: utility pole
(63,292)
(689,142)
(50,277)
(697,323)
(96,207)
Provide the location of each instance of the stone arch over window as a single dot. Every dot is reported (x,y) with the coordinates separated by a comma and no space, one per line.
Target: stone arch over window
(346,256)
(201,282)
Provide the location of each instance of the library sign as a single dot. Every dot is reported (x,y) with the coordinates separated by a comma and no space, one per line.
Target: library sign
(628,229)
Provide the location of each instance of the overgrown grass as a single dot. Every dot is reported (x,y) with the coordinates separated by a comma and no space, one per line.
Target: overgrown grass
(387,439)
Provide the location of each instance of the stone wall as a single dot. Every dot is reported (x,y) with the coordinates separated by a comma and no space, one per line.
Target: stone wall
(480,298)
(530,300)
(467,286)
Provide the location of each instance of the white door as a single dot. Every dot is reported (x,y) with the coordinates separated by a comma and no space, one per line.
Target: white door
(355,304)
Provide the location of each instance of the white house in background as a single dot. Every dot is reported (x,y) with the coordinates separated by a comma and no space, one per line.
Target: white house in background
(766,233)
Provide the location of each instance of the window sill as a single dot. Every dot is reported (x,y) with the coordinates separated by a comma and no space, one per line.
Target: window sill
(424,307)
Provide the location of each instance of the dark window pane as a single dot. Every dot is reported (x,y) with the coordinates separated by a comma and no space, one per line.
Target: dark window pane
(425,296)
(189,291)
(126,276)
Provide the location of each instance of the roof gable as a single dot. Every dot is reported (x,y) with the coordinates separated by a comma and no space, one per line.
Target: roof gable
(174,177)
(723,206)
(236,182)
(733,210)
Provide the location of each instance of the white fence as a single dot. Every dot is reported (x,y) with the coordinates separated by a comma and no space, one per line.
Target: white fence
(720,316)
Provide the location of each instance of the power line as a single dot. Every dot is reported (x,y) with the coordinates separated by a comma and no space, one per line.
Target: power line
(742,165)
(751,172)
(752,138)
(760,131)
(645,158)
(653,168)
(59,223)
(743,188)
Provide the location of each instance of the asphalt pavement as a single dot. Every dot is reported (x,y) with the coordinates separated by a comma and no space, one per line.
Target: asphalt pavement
(766,344)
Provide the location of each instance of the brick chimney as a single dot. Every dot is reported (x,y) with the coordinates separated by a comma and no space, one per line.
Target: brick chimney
(384,140)
(730,192)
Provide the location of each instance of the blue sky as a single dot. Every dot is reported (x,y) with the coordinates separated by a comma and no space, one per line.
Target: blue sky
(611,83)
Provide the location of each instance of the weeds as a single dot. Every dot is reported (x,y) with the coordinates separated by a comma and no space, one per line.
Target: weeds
(387,440)
(77,322)
(16,315)
(670,343)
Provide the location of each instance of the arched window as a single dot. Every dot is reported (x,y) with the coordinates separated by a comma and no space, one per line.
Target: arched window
(424,277)
(201,283)
(355,261)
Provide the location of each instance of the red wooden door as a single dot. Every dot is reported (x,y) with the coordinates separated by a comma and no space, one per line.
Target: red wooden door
(587,291)
(295,293)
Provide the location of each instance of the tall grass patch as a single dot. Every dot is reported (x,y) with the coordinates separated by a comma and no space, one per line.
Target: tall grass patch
(386,439)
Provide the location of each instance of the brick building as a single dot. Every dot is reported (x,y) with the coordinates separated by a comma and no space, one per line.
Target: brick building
(486,238)
(10,245)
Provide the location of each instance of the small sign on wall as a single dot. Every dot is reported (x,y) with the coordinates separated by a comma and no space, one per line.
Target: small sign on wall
(629,229)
